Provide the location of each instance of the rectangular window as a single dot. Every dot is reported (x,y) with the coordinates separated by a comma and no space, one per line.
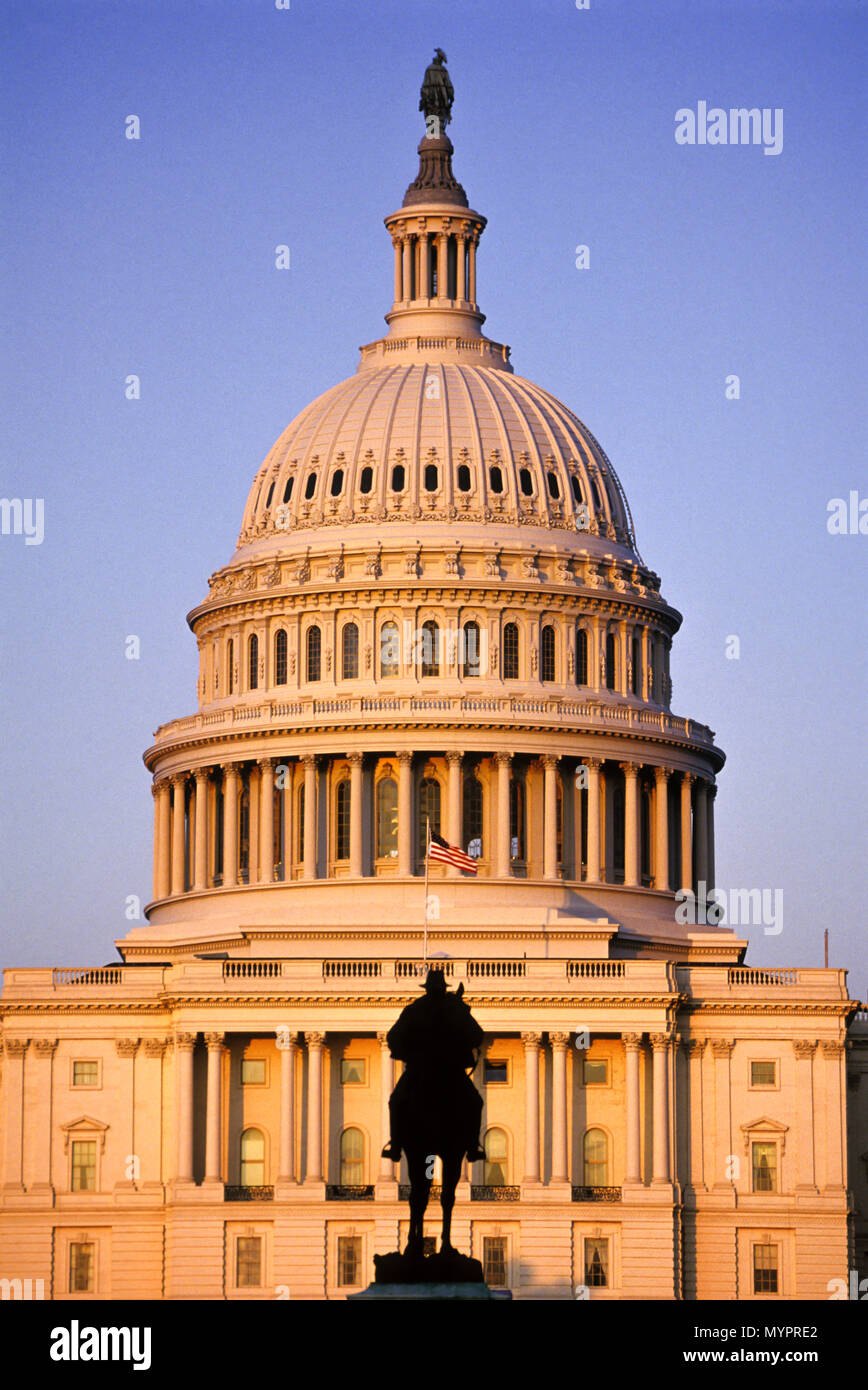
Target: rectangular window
(349,1260)
(81,1267)
(763,1073)
(596,1071)
(253,1071)
(84,1165)
(496,1071)
(248,1262)
(494,1261)
(765,1269)
(353,1071)
(597,1262)
(85,1073)
(765,1167)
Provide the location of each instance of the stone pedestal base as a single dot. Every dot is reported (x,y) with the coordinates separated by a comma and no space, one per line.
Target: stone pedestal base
(434,1291)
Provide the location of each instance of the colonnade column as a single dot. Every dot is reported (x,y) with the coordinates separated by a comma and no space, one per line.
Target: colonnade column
(162,837)
(314,1104)
(407,270)
(453,805)
(214,1044)
(424,286)
(550,815)
(504,761)
(443,265)
(286,1160)
(184,1045)
(461,278)
(560,1159)
(405,813)
(632,1046)
(804,1093)
(632,867)
(230,824)
(179,783)
(355,762)
(709,830)
(266,820)
(687,780)
(722,1049)
(310,815)
(386,1074)
(700,838)
(472,269)
(200,860)
(13,1113)
(531,1113)
(660,1043)
(661,808)
(593,765)
(398,249)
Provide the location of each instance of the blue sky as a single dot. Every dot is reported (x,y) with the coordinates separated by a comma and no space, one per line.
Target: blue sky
(262,126)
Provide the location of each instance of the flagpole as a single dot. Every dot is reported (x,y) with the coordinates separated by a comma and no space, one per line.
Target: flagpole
(427,858)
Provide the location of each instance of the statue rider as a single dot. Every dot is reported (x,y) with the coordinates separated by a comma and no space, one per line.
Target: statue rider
(438,1039)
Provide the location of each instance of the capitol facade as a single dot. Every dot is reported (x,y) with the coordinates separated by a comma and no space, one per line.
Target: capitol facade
(437,615)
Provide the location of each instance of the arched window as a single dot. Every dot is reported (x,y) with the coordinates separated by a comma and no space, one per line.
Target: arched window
(230,666)
(598,502)
(389,649)
(398,478)
(269,495)
(280,657)
(463,478)
(554,485)
(581,656)
(495,478)
(429,814)
(310,485)
(516,819)
(430,477)
(470,665)
(472,813)
(510,652)
(576,485)
(387,818)
(337,486)
(314,654)
(350,652)
(253,662)
(611,671)
(352,1158)
(525,482)
(596,1159)
(636,680)
(366,482)
(496,1158)
(547,654)
(287,491)
(342,820)
(253,1158)
(429,646)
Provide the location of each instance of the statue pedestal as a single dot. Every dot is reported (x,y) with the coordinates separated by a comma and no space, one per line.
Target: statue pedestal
(407,1292)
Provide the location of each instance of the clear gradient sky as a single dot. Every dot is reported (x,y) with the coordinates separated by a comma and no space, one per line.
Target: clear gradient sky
(261,127)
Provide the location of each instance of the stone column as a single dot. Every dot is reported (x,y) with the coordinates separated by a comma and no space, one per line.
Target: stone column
(531,1113)
(214,1044)
(128,1047)
(45,1048)
(397,245)
(162,837)
(560,1156)
(286,1160)
(632,839)
(806,1180)
(709,821)
(314,1104)
(184,1045)
(387,1168)
(355,762)
(503,761)
(632,1050)
(405,814)
(179,783)
(310,815)
(200,853)
(266,820)
(593,765)
(423,289)
(461,278)
(471,265)
(687,780)
(660,1043)
(694,1048)
(407,275)
(550,815)
(700,838)
(13,1106)
(230,824)
(661,811)
(722,1050)
(834,1094)
(442,266)
(453,806)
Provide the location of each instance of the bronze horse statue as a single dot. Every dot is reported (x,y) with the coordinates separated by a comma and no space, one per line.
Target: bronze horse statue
(435,1109)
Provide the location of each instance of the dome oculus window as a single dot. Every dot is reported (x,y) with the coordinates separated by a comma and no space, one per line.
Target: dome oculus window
(337,486)
(576,485)
(430,477)
(554,486)
(269,496)
(366,482)
(525,482)
(310,486)
(398,478)
(287,491)
(463,478)
(495,478)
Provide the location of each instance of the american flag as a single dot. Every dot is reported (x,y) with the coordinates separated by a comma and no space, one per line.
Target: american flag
(438,848)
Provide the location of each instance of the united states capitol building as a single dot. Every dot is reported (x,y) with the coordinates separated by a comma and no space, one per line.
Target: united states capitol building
(436,614)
